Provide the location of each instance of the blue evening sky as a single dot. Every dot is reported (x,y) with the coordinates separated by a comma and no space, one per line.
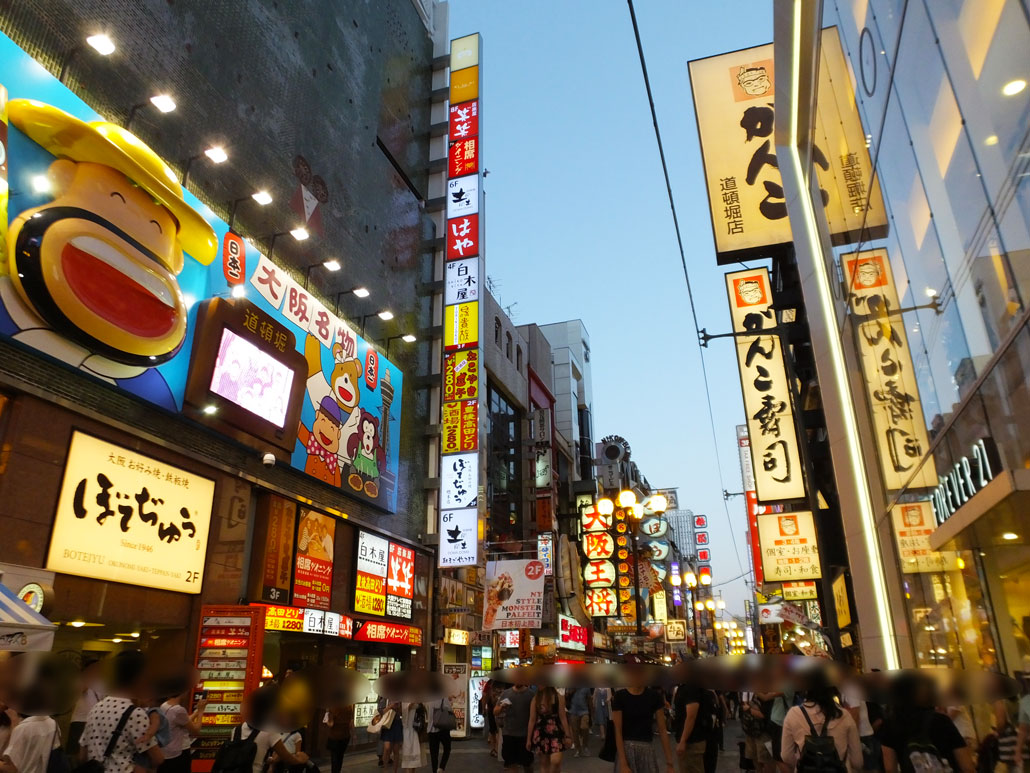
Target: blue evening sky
(579,223)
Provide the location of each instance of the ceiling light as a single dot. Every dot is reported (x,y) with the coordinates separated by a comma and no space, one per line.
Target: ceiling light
(77,623)
(217,154)
(263,198)
(1012,88)
(116,640)
(1010,535)
(332,265)
(361,292)
(210,410)
(408,338)
(239,291)
(300,233)
(135,635)
(385,315)
(41,183)
(102,43)
(163,102)
(992,140)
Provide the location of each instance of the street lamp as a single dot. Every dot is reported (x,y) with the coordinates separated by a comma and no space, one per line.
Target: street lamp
(627,499)
(605,506)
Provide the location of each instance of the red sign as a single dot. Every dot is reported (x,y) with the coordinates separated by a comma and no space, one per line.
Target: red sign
(464,120)
(346,627)
(371,368)
(751,498)
(704,554)
(701,537)
(700,521)
(704,571)
(313,570)
(463,157)
(400,579)
(226,643)
(571,635)
(389,633)
(463,237)
(234,258)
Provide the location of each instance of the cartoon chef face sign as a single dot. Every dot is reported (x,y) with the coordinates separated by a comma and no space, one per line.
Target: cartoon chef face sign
(99,262)
(754,81)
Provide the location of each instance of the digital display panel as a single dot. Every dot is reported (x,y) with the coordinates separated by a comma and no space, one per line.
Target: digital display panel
(252,379)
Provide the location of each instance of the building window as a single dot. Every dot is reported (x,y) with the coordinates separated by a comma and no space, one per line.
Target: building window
(507,346)
(518,358)
(497,331)
(586,352)
(504,471)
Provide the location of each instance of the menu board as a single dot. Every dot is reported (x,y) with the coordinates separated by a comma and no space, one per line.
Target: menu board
(228,660)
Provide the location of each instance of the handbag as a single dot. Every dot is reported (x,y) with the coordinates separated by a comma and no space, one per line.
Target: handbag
(445,720)
(421,719)
(97,766)
(379,723)
(609,750)
(57,762)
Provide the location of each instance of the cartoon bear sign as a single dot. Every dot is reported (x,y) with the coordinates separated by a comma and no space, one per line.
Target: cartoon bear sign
(93,273)
(341,386)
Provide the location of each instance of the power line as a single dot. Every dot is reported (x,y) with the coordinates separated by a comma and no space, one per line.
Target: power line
(686,276)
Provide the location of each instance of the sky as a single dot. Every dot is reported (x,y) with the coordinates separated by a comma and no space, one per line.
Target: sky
(579,225)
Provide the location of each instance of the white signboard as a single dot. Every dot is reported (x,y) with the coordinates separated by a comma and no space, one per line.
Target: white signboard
(914,522)
(459,538)
(675,630)
(459,481)
(789,547)
(890,376)
(456,681)
(463,196)
(461,281)
(514,595)
(476,684)
(314,621)
(373,554)
(763,379)
(125,517)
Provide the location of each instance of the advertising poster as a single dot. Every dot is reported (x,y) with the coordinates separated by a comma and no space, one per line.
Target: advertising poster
(461,375)
(456,679)
(789,547)
(279,555)
(313,573)
(514,595)
(349,407)
(459,538)
(913,524)
(124,517)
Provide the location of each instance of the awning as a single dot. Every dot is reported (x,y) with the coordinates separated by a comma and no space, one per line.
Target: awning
(22,628)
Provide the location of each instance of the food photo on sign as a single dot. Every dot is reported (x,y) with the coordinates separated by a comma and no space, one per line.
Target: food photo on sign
(514,595)
(274,366)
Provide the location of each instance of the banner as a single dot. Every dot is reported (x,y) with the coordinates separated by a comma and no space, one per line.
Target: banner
(514,595)
(790,550)
(890,376)
(763,379)
(126,517)
(313,573)
(734,96)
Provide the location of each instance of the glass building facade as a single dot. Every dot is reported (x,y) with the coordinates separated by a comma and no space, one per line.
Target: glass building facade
(942,91)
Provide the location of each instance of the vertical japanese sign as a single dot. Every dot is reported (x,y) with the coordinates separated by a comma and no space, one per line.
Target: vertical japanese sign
(281,522)
(599,576)
(790,550)
(459,507)
(763,379)
(313,573)
(734,100)
(914,522)
(747,476)
(890,377)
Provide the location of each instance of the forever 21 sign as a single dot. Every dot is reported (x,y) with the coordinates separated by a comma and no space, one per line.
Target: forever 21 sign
(965,478)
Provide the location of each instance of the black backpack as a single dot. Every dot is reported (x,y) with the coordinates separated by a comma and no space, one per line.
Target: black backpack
(237,754)
(819,754)
(921,752)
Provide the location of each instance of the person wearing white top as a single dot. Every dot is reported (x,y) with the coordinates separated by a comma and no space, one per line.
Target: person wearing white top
(29,749)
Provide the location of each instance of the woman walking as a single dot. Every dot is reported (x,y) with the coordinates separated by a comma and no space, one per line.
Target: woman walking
(820,709)
(183,727)
(548,729)
(340,721)
(414,719)
(441,736)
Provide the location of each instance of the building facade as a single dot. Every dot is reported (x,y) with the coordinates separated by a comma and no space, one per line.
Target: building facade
(920,329)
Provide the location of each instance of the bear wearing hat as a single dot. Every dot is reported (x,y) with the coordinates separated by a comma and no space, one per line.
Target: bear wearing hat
(322,442)
(93,273)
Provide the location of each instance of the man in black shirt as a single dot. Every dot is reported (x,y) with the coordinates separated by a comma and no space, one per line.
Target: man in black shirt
(689,728)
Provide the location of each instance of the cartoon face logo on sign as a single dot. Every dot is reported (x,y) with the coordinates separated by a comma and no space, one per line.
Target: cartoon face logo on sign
(99,262)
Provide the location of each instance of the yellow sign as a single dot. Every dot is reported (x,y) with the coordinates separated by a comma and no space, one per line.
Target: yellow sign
(661,609)
(284,619)
(840,601)
(914,522)
(461,325)
(464,53)
(799,591)
(464,85)
(456,636)
(733,98)
(125,517)
(790,550)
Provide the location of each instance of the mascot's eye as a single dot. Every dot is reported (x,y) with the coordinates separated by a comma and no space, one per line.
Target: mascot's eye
(160,230)
(116,193)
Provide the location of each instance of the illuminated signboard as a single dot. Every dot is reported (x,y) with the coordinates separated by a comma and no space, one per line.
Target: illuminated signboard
(914,522)
(313,570)
(458,538)
(790,550)
(571,635)
(461,375)
(384,581)
(283,376)
(126,517)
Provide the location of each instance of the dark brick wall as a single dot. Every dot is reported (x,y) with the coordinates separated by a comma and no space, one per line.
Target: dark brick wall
(344,83)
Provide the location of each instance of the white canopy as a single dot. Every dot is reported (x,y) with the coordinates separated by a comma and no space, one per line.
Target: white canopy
(22,628)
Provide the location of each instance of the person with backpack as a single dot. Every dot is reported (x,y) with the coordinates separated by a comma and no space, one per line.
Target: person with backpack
(916,738)
(441,722)
(691,726)
(754,724)
(819,736)
(715,709)
(252,741)
(32,740)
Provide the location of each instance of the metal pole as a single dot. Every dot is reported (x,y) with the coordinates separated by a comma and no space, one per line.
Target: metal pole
(636,576)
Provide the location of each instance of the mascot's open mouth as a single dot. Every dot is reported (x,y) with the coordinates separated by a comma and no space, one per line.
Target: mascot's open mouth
(118,288)
(345,394)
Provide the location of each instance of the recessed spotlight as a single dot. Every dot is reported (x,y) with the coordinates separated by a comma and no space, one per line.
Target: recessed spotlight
(385,315)
(408,338)
(300,233)
(102,44)
(210,410)
(77,623)
(1012,88)
(217,154)
(361,292)
(116,640)
(163,102)
(239,291)
(1010,535)
(332,265)
(992,140)
(41,183)
(135,635)
(264,198)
